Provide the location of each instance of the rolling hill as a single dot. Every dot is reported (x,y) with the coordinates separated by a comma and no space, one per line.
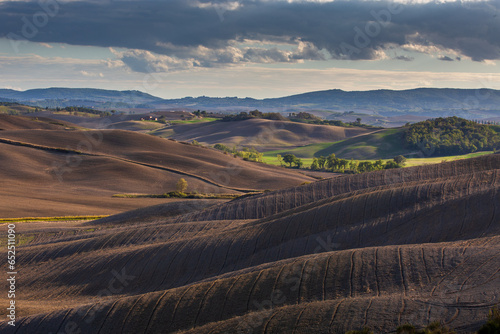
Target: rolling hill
(262,134)
(10,122)
(379,144)
(384,144)
(49,172)
(15,108)
(376,249)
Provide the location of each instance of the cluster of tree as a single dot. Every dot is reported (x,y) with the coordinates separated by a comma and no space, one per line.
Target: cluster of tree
(200,113)
(87,110)
(291,160)
(450,136)
(203,113)
(305,117)
(334,164)
(162,119)
(248,154)
(254,114)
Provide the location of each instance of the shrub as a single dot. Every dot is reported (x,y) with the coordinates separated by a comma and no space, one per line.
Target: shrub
(406,329)
(492,326)
(400,160)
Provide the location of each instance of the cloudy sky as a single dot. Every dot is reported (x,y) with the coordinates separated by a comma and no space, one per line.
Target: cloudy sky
(256,48)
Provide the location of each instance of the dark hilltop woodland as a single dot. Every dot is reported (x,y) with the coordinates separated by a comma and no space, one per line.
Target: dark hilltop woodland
(378,249)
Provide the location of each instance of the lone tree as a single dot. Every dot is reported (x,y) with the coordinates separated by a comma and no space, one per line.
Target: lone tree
(181,185)
(289,159)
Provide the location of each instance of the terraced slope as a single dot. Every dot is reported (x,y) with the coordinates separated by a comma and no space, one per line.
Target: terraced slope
(377,249)
(59,172)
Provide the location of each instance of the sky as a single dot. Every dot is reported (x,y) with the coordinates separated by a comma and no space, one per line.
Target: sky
(249,48)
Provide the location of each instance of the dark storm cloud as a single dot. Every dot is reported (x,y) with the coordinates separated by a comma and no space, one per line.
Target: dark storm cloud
(207,31)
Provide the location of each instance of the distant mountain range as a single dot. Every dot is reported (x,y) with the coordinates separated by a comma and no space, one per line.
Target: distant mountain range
(427,102)
(88,97)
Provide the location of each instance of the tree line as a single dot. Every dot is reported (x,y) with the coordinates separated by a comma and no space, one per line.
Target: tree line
(254,114)
(333,164)
(86,110)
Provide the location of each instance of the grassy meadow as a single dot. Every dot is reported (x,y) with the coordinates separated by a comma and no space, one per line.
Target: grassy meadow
(411,162)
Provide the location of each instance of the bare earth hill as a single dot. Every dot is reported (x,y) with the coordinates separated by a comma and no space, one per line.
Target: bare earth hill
(377,249)
(260,133)
(68,172)
(10,122)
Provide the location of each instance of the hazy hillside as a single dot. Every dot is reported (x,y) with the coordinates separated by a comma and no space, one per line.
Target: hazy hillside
(64,97)
(378,249)
(429,102)
(382,105)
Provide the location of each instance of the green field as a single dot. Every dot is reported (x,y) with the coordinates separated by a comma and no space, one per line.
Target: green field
(308,151)
(434,160)
(272,160)
(384,144)
(195,120)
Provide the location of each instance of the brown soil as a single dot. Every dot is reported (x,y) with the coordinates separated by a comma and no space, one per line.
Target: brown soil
(60,172)
(378,249)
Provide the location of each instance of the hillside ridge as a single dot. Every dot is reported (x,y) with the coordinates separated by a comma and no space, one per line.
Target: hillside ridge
(377,249)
